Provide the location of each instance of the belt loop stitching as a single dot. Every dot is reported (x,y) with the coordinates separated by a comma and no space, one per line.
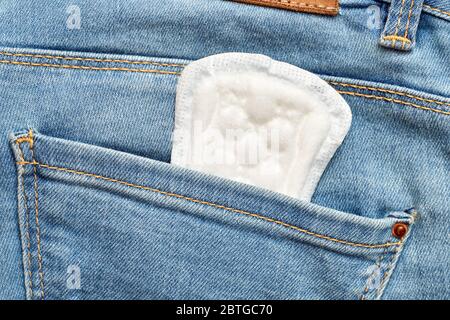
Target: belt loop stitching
(399,31)
(400,15)
(408,22)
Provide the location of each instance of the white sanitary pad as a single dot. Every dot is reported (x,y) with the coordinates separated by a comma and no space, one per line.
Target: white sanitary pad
(255,120)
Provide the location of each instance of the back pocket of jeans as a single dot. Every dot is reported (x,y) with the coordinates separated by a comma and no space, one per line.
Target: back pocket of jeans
(102,224)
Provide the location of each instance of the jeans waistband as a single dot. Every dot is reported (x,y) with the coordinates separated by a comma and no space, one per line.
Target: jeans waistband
(344,46)
(440,8)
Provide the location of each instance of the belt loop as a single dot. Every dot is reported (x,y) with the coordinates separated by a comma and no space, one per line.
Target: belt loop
(401,25)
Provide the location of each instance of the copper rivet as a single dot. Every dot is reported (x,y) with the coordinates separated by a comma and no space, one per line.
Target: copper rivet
(399,230)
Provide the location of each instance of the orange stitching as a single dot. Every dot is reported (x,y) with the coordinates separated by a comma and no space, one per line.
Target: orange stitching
(293,4)
(389,91)
(400,15)
(21,153)
(42,56)
(27,227)
(408,22)
(68,66)
(397,38)
(25,139)
(438,10)
(391,264)
(175,195)
(299,4)
(38,230)
(394,100)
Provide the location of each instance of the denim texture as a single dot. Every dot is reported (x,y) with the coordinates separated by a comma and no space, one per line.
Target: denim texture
(401,25)
(85,139)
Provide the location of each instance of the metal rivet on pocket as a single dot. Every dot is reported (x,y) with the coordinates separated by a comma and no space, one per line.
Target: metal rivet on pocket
(399,230)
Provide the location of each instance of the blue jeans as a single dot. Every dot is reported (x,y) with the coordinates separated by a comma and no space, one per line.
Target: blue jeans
(93,209)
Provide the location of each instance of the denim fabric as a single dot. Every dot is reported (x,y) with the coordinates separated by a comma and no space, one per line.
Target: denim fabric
(139,228)
(439,8)
(92,207)
(401,25)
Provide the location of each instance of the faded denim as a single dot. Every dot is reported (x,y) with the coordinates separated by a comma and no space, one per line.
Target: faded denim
(93,209)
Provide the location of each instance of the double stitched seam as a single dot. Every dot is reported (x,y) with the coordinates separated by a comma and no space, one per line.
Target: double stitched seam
(437,10)
(392,263)
(102,60)
(27,226)
(400,15)
(389,268)
(343,84)
(395,101)
(408,22)
(218,206)
(295,4)
(30,64)
(26,139)
(36,206)
(68,66)
(397,38)
(371,275)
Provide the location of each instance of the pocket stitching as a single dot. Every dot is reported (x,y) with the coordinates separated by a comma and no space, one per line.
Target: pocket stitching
(447,113)
(38,229)
(215,205)
(68,66)
(177,73)
(103,60)
(30,140)
(379,265)
(415,97)
(387,272)
(28,266)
